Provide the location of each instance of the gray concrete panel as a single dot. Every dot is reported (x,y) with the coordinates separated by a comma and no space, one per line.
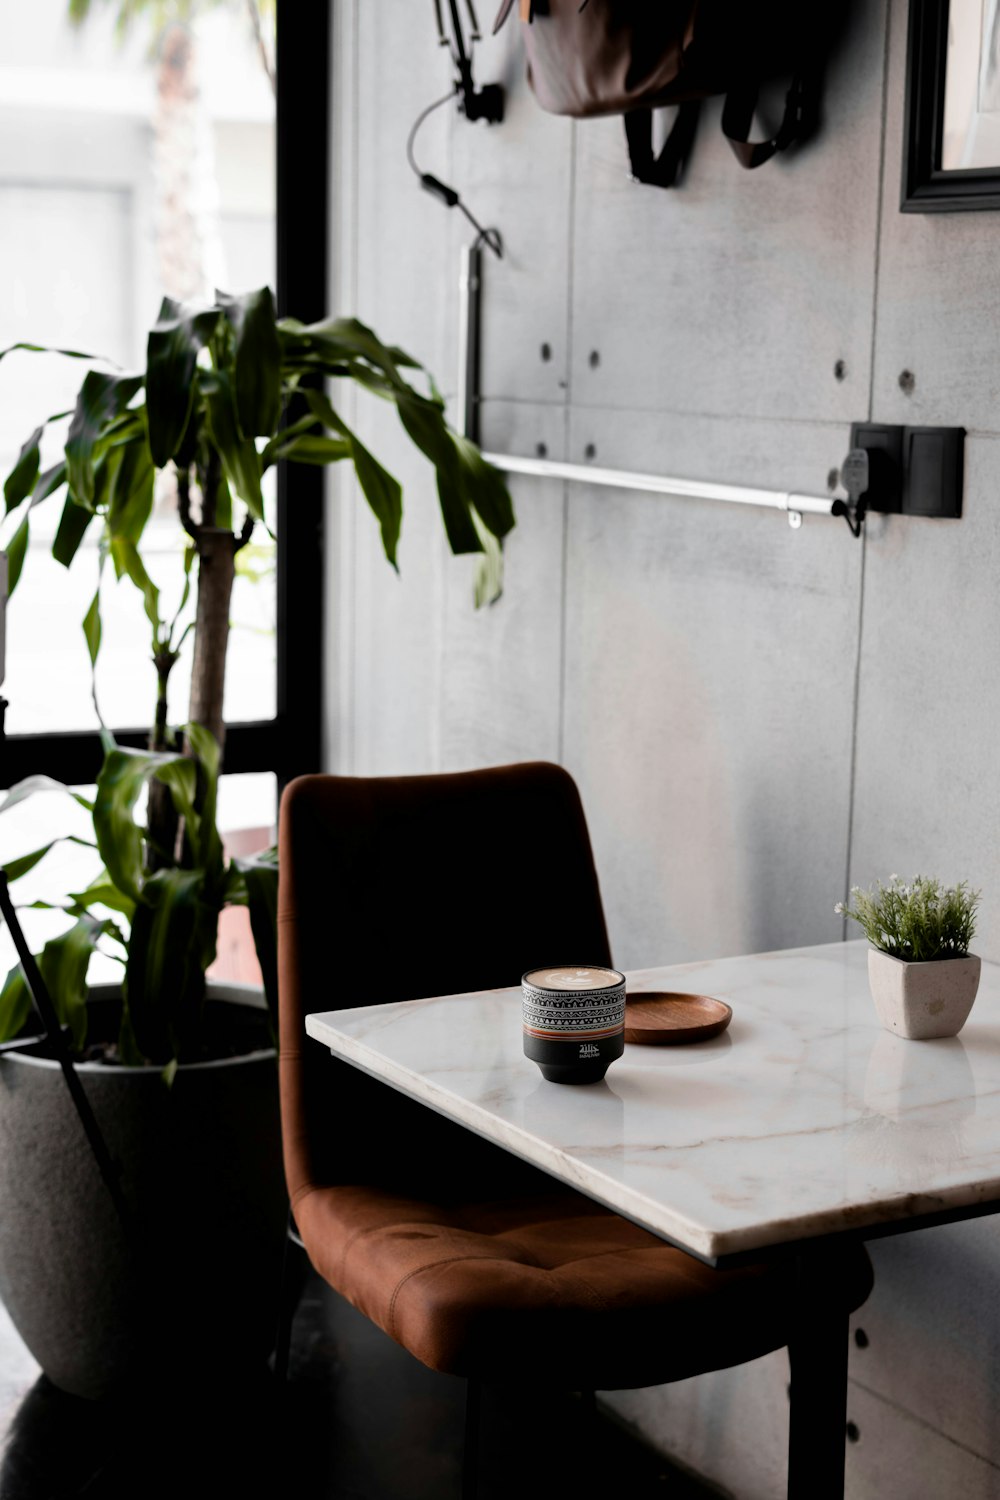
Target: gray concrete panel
(403,286)
(740,291)
(927,798)
(709,684)
(519,177)
(933,1328)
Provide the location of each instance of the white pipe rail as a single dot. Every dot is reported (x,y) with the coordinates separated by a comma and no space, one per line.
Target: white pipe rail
(793,504)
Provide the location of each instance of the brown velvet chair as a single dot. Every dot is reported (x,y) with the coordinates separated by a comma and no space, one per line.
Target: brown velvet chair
(397,888)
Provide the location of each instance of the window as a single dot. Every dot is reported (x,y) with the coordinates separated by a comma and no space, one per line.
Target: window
(85,255)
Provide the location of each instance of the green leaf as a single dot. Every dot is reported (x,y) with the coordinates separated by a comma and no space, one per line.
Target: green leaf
(32,785)
(257,361)
(15,1004)
(53,479)
(171,357)
(15,868)
(313,450)
(190,553)
(101,892)
(73,524)
(180,776)
(64,962)
(425,425)
(205,747)
(240,459)
(337,340)
(119,838)
(164,977)
(260,875)
(484,487)
(92,627)
(278,445)
(102,397)
(488,586)
(16,548)
(383,493)
(21,479)
(127,561)
(47,349)
(130,491)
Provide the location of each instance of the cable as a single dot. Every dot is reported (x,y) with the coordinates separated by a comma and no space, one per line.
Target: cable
(423,115)
(447,195)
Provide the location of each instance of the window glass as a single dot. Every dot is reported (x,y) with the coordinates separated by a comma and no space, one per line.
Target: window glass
(130,167)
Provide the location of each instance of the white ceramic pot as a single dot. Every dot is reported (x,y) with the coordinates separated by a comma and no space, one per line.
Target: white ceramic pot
(923,1000)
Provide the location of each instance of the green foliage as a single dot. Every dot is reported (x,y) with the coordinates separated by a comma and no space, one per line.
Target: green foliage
(920,922)
(228,391)
(227,379)
(156,911)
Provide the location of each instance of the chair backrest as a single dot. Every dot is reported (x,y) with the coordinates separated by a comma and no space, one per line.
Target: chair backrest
(394,888)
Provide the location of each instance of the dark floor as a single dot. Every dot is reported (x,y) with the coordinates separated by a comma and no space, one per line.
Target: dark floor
(358,1420)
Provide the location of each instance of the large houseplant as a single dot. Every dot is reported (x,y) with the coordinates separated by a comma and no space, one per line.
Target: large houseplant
(227,392)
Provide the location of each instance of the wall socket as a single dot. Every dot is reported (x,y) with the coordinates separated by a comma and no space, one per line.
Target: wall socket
(914,471)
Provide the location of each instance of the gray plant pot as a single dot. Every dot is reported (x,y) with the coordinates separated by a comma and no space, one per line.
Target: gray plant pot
(923,1000)
(201,1167)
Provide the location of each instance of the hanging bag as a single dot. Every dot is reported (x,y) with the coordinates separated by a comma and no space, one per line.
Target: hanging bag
(629,57)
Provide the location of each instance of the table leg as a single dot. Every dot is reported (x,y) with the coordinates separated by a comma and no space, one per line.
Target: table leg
(818,1354)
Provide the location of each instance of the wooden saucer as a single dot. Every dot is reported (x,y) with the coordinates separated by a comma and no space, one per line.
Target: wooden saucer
(661,1018)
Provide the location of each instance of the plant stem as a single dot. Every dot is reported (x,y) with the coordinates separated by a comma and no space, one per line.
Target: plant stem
(216,571)
(161,818)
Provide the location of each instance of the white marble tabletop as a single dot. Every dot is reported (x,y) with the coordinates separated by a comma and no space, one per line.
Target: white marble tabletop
(803,1118)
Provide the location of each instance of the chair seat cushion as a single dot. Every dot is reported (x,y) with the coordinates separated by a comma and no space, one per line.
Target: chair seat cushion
(551,1285)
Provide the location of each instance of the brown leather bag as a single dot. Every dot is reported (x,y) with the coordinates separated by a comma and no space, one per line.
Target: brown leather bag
(628,57)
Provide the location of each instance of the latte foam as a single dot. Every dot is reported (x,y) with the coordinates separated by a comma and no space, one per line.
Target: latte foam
(568,977)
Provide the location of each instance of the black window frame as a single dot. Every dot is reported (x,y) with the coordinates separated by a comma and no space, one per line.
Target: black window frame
(290,744)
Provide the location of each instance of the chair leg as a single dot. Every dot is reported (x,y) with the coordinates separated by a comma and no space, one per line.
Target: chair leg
(470,1452)
(818,1412)
(292,1276)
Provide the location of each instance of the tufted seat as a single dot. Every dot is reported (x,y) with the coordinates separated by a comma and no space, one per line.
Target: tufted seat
(548,1281)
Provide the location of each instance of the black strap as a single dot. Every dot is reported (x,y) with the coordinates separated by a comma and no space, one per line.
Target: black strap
(737,121)
(666,169)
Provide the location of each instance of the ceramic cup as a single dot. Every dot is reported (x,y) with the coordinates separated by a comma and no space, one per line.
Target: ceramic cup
(573,1018)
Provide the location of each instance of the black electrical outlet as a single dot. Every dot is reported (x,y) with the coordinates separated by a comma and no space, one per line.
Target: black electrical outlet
(884,446)
(913,471)
(933,471)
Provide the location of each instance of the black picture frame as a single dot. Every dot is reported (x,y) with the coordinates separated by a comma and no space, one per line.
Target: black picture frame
(926,187)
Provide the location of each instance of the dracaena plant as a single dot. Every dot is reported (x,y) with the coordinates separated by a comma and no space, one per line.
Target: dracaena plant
(228,391)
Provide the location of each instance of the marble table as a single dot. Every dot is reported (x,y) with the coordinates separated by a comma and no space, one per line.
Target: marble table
(804,1121)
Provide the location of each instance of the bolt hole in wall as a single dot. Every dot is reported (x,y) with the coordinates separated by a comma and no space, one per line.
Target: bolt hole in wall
(907,382)
(840,370)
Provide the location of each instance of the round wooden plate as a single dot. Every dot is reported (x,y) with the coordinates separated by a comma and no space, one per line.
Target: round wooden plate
(662,1018)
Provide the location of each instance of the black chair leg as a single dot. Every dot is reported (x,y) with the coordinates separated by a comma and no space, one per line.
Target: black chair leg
(470,1452)
(818,1413)
(292,1278)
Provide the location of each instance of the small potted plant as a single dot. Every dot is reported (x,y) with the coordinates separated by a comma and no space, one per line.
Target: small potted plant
(923,977)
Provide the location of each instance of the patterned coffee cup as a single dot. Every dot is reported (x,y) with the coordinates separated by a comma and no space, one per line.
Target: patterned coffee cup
(573,1019)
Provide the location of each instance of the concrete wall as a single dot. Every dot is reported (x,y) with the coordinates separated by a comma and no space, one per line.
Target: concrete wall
(757,716)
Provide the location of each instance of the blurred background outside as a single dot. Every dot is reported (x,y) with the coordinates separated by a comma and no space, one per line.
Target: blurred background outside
(136,160)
